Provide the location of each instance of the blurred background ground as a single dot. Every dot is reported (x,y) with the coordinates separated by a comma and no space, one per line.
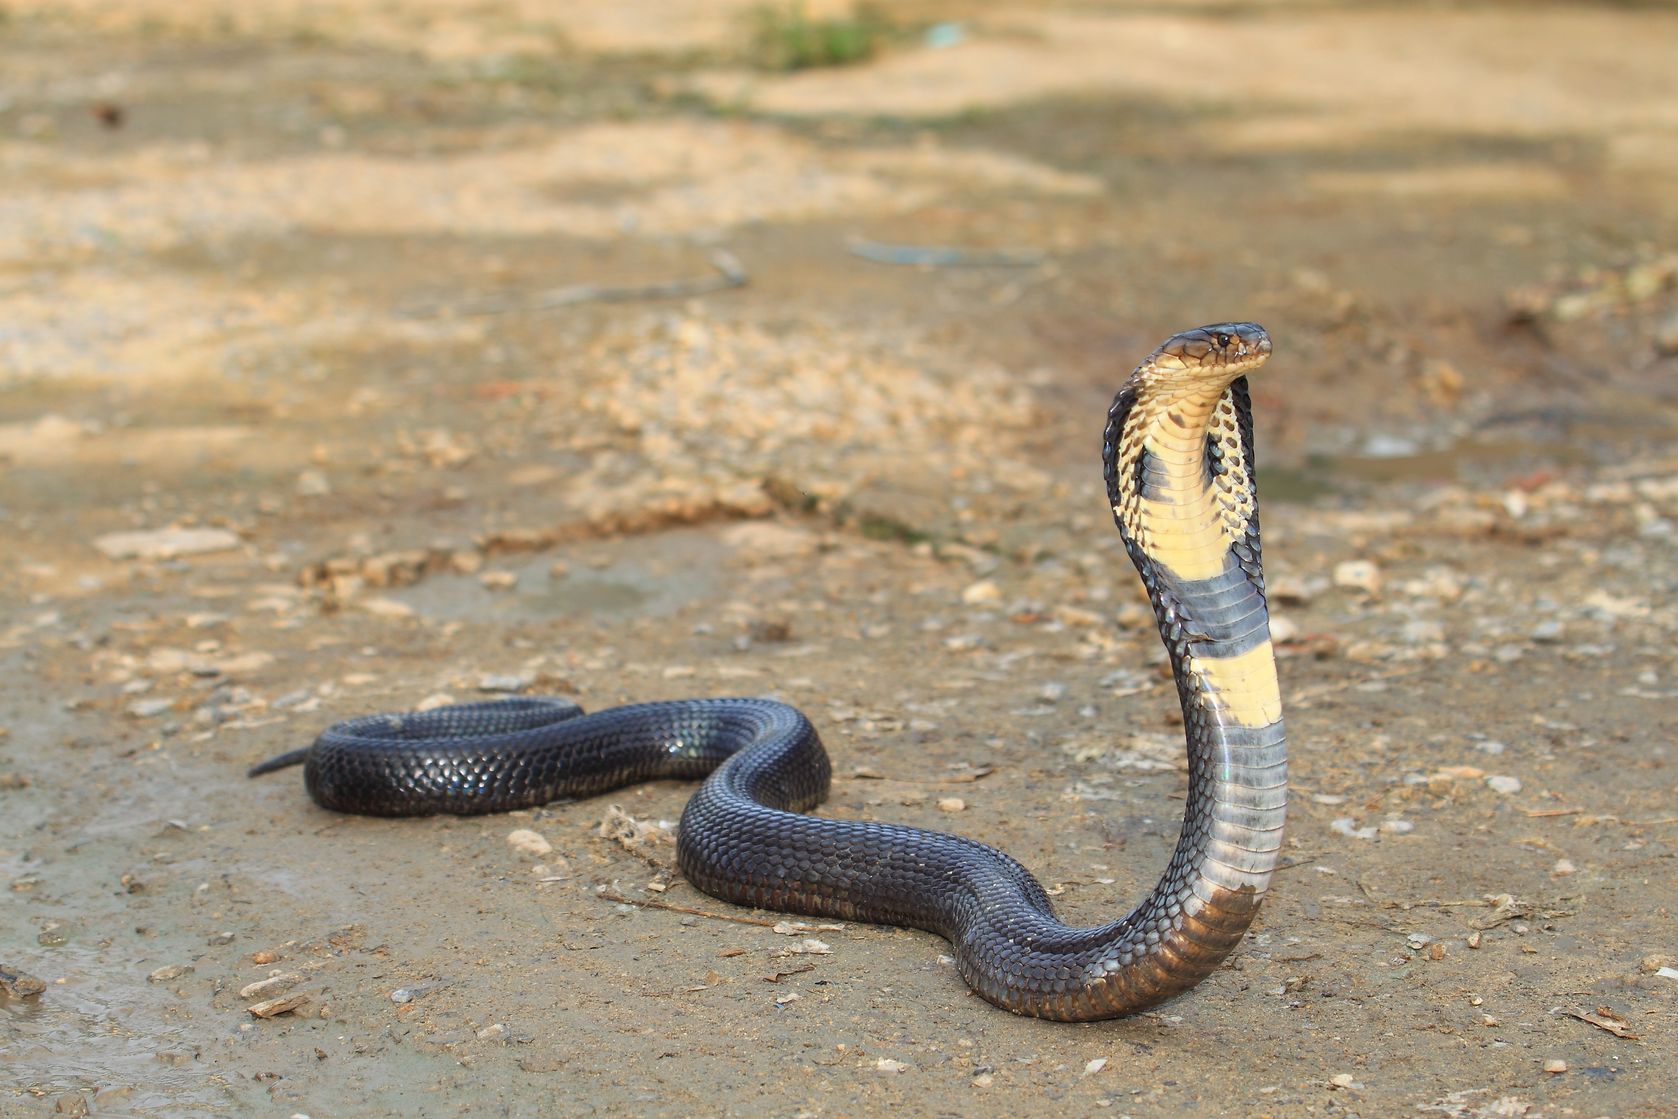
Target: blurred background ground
(355,355)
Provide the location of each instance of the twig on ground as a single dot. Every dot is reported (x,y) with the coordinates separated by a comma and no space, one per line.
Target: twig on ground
(648,903)
(730,274)
(944,256)
(966,777)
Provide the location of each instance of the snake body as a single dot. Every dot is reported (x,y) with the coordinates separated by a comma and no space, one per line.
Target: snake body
(1178,463)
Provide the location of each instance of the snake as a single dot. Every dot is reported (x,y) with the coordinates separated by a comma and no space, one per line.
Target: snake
(1177,458)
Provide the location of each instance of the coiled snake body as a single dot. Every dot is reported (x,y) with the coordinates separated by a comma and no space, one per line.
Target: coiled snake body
(1178,459)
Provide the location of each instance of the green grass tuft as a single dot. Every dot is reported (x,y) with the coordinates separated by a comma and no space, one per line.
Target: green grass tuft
(785,37)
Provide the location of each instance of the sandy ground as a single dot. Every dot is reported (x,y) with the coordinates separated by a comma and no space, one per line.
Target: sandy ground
(331,381)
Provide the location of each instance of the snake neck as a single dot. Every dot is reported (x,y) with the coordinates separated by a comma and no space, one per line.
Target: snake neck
(1179,468)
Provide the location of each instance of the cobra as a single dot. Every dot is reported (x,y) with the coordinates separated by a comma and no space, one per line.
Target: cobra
(1177,454)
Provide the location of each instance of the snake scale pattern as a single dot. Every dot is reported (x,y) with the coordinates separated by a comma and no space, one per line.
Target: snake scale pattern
(1178,462)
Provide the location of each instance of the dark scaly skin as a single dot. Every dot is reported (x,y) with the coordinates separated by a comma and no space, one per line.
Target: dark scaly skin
(1178,462)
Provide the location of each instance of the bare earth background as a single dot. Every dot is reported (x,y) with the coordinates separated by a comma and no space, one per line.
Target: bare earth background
(292,289)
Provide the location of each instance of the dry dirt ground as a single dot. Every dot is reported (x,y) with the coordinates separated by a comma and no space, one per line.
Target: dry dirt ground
(345,309)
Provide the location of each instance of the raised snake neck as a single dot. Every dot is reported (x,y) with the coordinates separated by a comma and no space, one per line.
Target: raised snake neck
(1178,462)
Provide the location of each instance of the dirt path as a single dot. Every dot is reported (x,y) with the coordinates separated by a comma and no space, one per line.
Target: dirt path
(335,376)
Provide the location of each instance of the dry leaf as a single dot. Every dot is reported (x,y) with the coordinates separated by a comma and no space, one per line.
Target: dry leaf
(1604,1018)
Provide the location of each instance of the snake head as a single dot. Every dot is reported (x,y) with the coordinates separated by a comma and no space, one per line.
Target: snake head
(1220,352)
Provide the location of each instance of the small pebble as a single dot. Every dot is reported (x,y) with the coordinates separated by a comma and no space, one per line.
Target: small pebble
(886,1064)
(527,842)
(290,699)
(171,971)
(385,608)
(502,682)
(19,984)
(1344,1082)
(165,543)
(1294,591)
(982,591)
(1132,615)
(273,1008)
(1666,337)
(1079,618)
(1555,1065)
(1422,631)
(496,1032)
(770,631)
(1563,868)
(1347,826)
(951,804)
(1358,575)
(1095,1066)
(499,580)
(1500,783)
(273,985)
(1439,583)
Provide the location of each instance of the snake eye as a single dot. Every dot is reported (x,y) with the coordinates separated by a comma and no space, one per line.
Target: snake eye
(1224,340)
